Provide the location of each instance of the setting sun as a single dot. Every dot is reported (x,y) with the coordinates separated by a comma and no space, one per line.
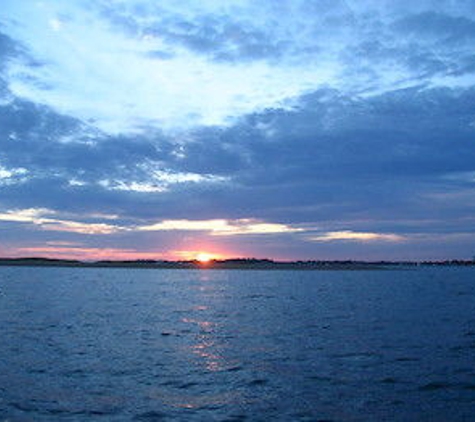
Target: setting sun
(201,254)
(204,257)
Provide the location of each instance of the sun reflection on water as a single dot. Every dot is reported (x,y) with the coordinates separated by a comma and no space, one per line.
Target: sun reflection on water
(208,344)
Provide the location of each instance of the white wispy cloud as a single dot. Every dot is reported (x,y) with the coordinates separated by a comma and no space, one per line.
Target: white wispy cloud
(79,227)
(351,236)
(142,187)
(27,215)
(158,180)
(222,227)
(42,217)
(10,176)
(46,220)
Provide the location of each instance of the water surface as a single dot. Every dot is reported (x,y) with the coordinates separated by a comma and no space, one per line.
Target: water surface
(81,344)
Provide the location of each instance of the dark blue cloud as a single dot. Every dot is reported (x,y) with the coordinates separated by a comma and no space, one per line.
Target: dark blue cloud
(438,27)
(8,48)
(223,39)
(338,158)
(217,36)
(332,157)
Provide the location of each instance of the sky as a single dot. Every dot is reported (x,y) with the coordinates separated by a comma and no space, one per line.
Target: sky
(291,129)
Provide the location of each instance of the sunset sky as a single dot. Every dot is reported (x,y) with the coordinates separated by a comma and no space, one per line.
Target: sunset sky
(291,129)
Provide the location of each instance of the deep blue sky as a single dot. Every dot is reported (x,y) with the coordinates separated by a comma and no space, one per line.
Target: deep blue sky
(309,129)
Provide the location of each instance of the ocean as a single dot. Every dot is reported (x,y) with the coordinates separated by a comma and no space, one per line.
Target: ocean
(118,344)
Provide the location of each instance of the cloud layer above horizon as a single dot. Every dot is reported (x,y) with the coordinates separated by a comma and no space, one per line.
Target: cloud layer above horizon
(292,130)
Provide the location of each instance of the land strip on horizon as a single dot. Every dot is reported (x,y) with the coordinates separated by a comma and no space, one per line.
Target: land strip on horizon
(229,264)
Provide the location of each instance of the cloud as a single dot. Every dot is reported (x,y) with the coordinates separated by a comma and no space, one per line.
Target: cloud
(128,186)
(221,227)
(29,215)
(81,71)
(9,173)
(56,24)
(37,217)
(318,160)
(78,227)
(85,253)
(158,181)
(438,26)
(9,49)
(12,175)
(351,236)
(180,59)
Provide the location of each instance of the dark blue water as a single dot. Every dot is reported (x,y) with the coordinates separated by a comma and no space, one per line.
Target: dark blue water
(151,345)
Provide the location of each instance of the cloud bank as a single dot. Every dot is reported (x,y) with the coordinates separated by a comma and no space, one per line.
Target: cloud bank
(290,129)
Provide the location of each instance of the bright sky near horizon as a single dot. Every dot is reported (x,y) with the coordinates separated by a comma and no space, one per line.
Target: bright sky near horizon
(292,129)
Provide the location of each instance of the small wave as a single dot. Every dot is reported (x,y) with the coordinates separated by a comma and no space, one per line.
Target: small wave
(434,386)
(363,356)
(389,380)
(259,381)
(36,371)
(24,407)
(46,410)
(235,418)
(319,378)
(406,359)
(187,385)
(234,369)
(152,415)
(258,296)
(462,347)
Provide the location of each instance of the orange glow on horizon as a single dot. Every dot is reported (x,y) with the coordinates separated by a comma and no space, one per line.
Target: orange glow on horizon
(202,254)
(85,253)
(70,250)
(204,257)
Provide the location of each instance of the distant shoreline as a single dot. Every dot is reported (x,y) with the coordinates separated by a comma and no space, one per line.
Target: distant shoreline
(231,264)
